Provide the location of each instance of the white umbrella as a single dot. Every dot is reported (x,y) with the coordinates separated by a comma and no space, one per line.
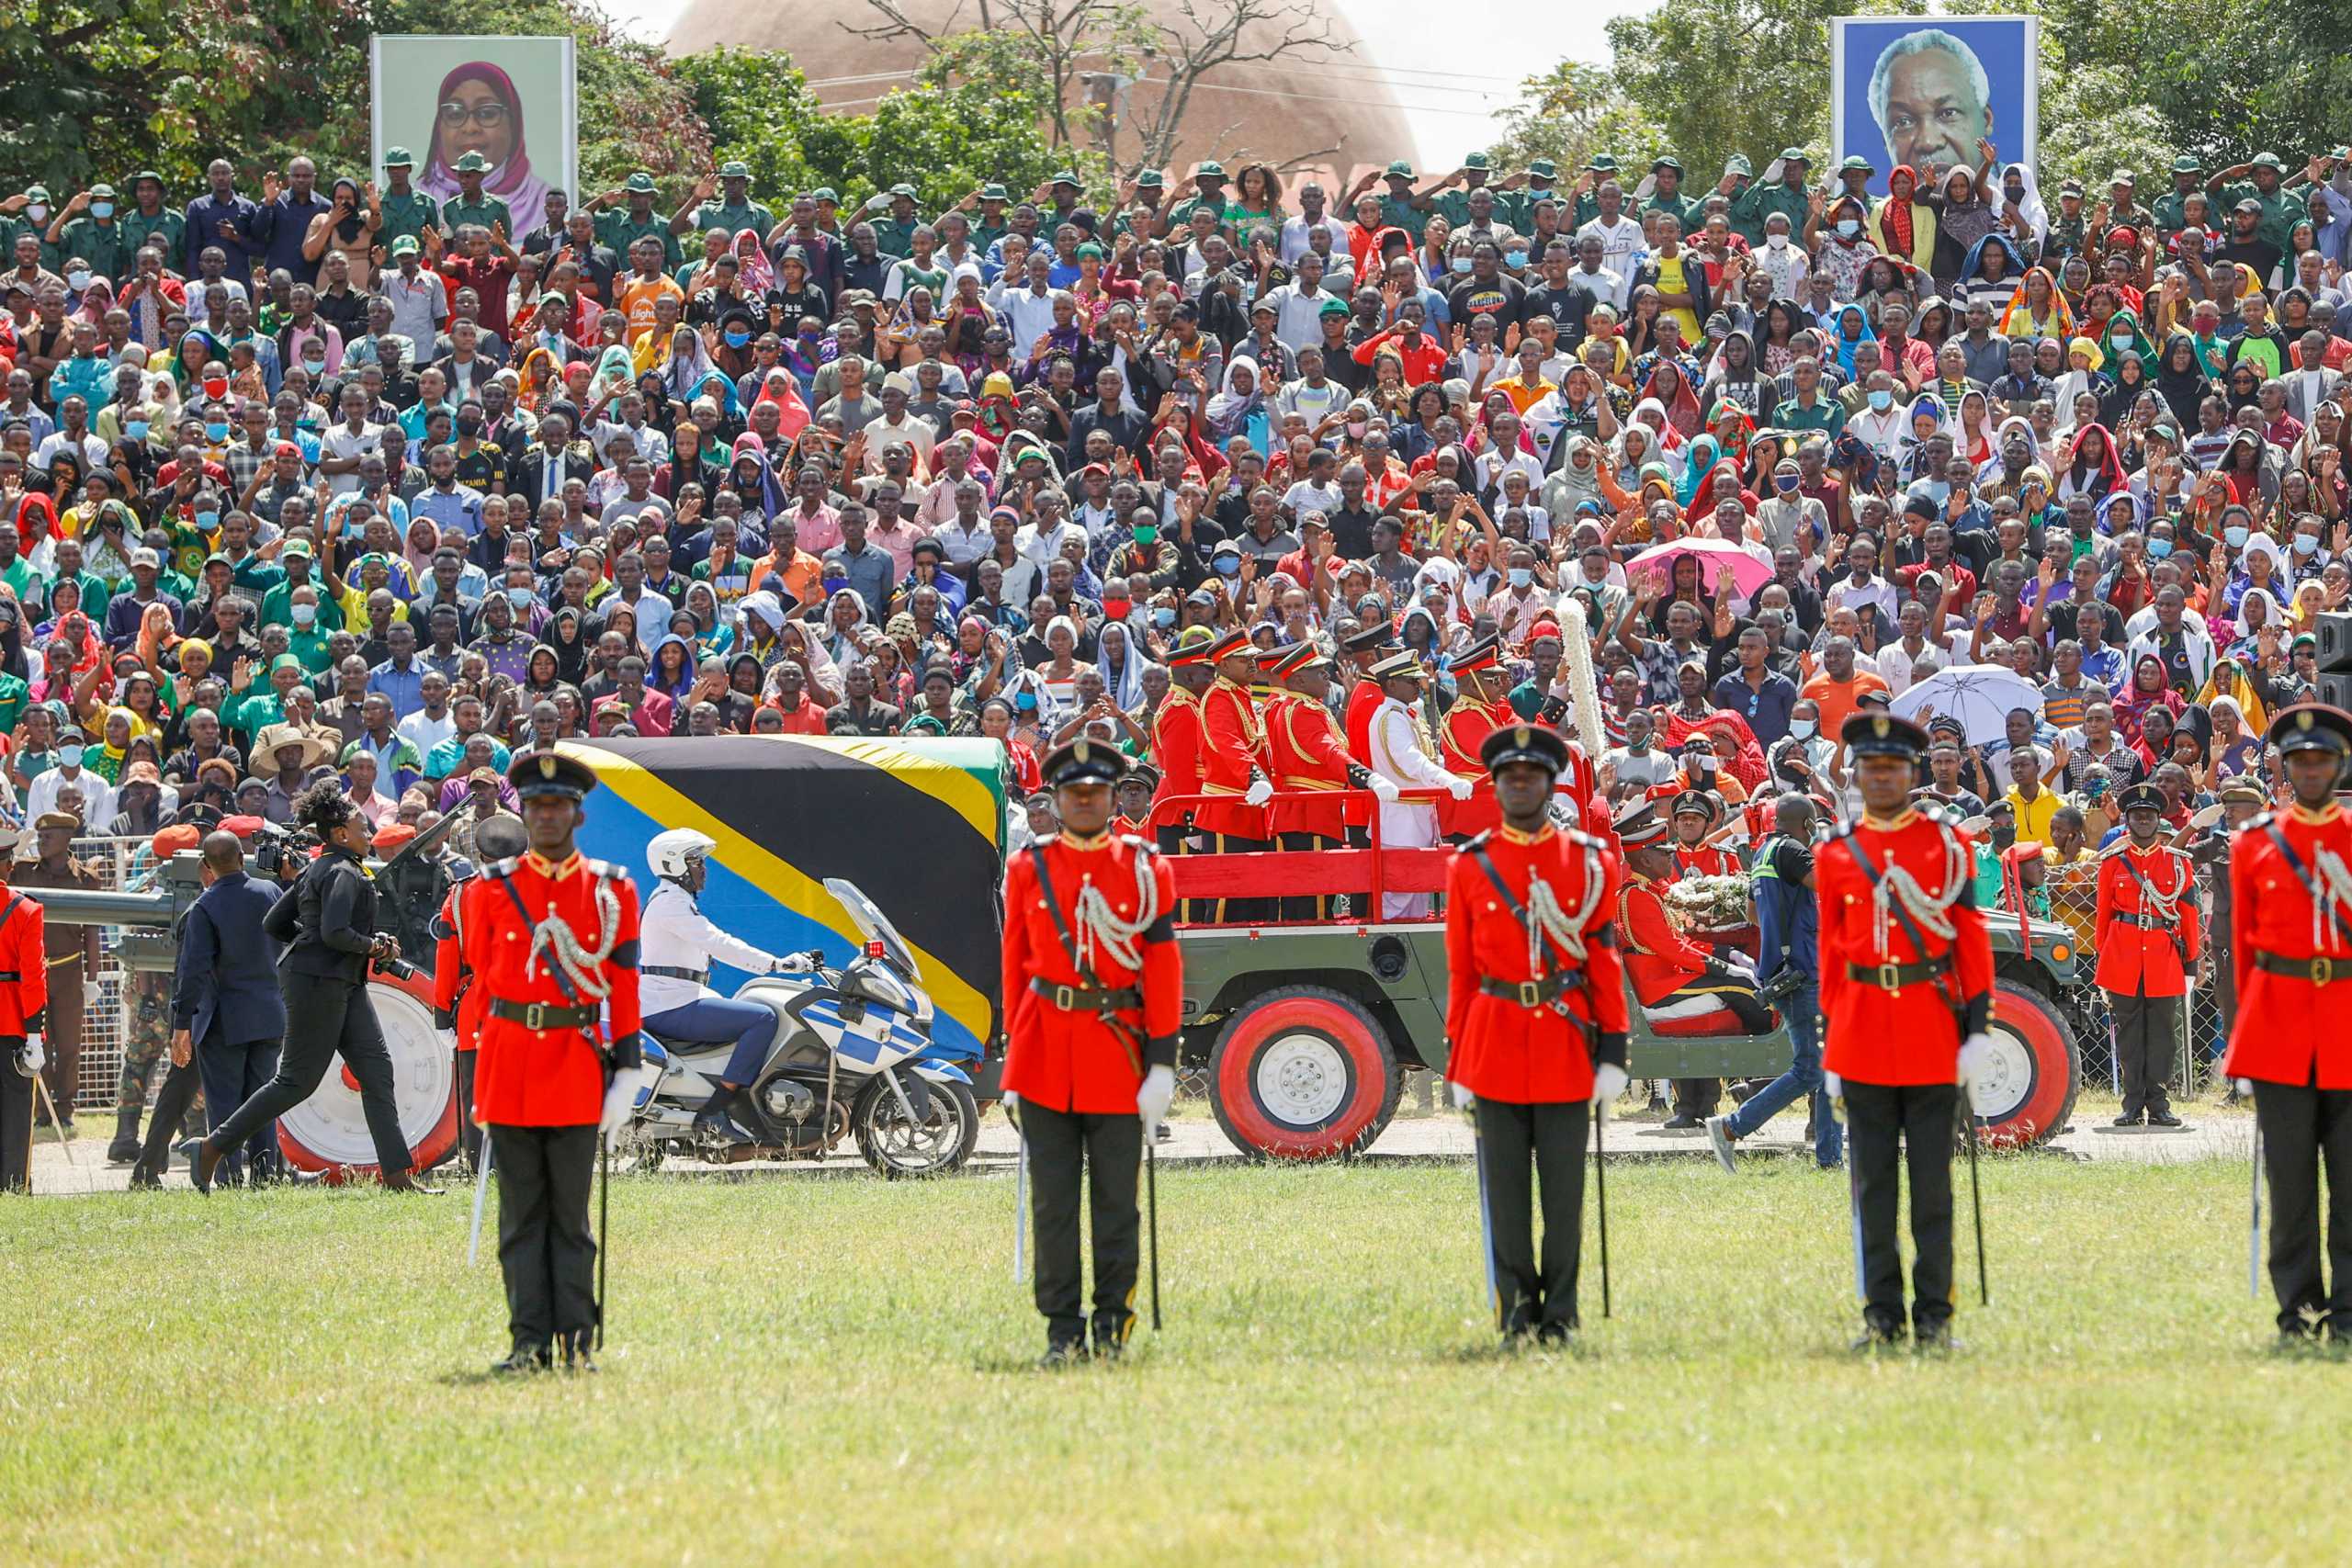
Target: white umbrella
(1980,696)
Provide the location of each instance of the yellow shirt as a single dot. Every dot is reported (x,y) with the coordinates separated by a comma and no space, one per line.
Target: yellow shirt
(2033,816)
(1671,281)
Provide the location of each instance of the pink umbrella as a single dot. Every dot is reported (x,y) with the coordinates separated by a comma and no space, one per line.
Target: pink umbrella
(1748,574)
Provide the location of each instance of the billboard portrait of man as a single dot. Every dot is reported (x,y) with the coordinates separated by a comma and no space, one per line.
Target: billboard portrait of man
(1925,91)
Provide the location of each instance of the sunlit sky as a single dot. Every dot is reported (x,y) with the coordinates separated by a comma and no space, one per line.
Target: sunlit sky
(1450,79)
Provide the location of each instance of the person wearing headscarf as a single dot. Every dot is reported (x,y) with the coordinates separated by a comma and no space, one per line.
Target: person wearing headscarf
(2015,193)
(1903,226)
(1853,327)
(2036,310)
(1122,666)
(2146,689)
(1240,406)
(2092,466)
(2182,381)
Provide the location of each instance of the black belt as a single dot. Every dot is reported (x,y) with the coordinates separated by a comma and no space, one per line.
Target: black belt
(1894,977)
(10,978)
(2318,971)
(671,972)
(2145,922)
(545,1015)
(1086,999)
(1531,993)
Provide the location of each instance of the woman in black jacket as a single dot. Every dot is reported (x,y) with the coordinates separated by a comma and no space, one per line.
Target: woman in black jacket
(328,921)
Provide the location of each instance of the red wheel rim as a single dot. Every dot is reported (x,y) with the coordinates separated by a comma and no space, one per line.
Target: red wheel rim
(1315,1059)
(2034,1114)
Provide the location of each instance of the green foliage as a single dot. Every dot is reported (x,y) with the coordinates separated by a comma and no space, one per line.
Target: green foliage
(1571,112)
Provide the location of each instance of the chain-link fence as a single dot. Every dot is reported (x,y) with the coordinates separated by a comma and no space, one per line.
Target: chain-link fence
(2074,902)
(118,863)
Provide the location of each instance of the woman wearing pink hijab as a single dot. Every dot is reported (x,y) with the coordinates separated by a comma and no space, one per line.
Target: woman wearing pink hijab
(478,110)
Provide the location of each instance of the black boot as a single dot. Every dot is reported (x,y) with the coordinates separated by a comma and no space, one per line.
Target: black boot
(124,1149)
(202,1161)
(576,1348)
(715,1122)
(1111,1336)
(528,1356)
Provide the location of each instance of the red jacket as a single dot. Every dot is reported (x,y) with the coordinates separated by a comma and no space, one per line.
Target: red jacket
(1232,746)
(1070,1059)
(1502,1049)
(545,1078)
(1467,725)
(1660,959)
(458,1002)
(2289,1030)
(24,1001)
(1309,758)
(1909,1035)
(1176,746)
(2136,958)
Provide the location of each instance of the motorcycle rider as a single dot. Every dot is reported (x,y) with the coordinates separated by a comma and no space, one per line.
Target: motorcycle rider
(677,943)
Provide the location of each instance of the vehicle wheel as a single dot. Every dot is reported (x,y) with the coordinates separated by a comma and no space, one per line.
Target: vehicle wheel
(2036,1072)
(1303,1073)
(896,1148)
(329,1135)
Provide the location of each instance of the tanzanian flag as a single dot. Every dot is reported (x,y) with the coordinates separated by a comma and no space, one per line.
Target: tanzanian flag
(918,825)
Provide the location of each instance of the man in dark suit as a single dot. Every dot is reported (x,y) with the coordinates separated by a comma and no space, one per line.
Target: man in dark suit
(226,1008)
(539,473)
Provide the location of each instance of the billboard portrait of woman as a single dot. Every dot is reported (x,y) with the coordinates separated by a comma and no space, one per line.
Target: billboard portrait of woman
(508,100)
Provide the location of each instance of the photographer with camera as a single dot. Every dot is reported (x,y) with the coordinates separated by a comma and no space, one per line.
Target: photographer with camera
(327,920)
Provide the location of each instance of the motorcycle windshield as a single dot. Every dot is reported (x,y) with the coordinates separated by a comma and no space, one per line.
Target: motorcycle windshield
(875,926)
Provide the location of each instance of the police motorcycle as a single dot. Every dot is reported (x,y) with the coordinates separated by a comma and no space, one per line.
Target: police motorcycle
(853,1054)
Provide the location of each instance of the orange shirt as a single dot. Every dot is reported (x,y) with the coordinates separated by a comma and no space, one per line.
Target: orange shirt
(637,298)
(1839,699)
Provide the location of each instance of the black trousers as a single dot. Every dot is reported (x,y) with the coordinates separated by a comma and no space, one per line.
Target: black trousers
(1519,1148)
(233,1074)
(172,1101)
(1104,1152)
(1240,910)
(17,1096)
(468,1130)
(1314,907)
(2147,1036)
(1889,1125)
(1699,1097)
(544,1246)
(326,1019)
(2302,1128)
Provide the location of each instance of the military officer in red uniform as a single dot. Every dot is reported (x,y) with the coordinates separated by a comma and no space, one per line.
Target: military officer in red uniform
(1134,800)
(1176,746)
(1363,649)
(551,938)
(1907,985)
(2290,884)
(1308,755)
(1536,1011)
(1233,757)
(1094,997)
(1478,710)
(458,1002)
(24,1006)
(2148,942)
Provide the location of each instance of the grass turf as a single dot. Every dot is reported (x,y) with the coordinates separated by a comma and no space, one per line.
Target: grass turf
(836,1370)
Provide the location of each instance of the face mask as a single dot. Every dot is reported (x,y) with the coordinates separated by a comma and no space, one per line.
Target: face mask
(1803,729)
(1522,577)
(520,598)
(2236,536)
(1147,534)
(2159,549)
(1777,241)
(1848,228)
(1024,701)
(136,429)
(1459,264)
(1163,617)
(102,210)
(69,756)
(835,584)
(1117,608)
(78,279)
(2307,544)
(1227,567)
(37,212)
(305,613)
(1787,483)
(469,426)
(216,432)
(2120,341)
(738,339)
(207,521)
(1514,258)
(1356,428)
(1882,401)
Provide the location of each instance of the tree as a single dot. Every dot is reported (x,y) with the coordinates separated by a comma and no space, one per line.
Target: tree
(1571,112)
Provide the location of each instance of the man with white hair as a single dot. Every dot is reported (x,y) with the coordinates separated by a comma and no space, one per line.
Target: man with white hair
(1932,102)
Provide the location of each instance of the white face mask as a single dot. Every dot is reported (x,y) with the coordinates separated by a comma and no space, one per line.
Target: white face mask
(1778,241)
(1802,728)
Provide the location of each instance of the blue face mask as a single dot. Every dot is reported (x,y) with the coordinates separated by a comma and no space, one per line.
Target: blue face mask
(1227,567)
(1849,227)
(1025,700)
(2236,536)
(135,428)
(738,339)
(1514,258)
(835,584)
(1460,263)
(207,521)
(1882,401)
(1787,482)
(520,597)
(216,432)
(2307,544)
(1522,577)
(1163,617)
(102,210)
(2159,549)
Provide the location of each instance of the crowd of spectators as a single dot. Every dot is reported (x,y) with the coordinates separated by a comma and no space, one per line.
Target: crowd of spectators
(331,476)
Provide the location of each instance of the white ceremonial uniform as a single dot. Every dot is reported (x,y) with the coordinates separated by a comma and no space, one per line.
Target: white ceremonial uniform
(673,933)
(1400,753)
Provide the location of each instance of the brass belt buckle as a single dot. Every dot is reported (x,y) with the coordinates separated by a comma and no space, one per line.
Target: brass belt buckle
(1531,994)
(536,1016)
(2322,971)
(1066,998)
(1890,978)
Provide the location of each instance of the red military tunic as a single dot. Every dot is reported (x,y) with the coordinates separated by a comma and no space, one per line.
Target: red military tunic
(1363,700)
(1176,747)
(1500,1049)
(545,1078)
(24,1001)
(1069,1059)
(455,998)
(1910,1035)
(1232,746)
(2144,953)
(1707,860)
(1467,725)
(2289,1029)
(1309,759)
(1659,959)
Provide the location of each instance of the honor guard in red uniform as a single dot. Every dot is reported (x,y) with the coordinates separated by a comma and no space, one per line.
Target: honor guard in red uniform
(1361,650)
(1907,985)
(458,1002)
(24,1007)
(1311,767)
(1176,746)
(1478,712)
(1133,798)
(1232,760)
(2290,876)
(2148,942)
(1536,1011)
(1094,997)
(551,938)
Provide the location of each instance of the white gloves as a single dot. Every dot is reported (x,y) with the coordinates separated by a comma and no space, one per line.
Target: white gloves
(1834,1086)
(1384,788)
(1258,793)
(1609,1081)
(1463,1098)
(448,1038)
(1152,1099)
(621,1095)
(1975,1058)
(34,1056)
(2244,1085)
(1012,1104)
(792,964)
(1458,788)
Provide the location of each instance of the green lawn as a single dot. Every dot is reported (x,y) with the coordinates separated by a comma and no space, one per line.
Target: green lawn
(835,1369)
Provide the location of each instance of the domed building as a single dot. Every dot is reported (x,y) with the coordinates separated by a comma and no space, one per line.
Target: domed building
(1281,112)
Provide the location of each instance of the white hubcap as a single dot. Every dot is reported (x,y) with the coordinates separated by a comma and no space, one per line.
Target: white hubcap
(1302,1080)
(2008,1075)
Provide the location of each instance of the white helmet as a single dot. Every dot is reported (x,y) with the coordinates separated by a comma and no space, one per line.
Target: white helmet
(672,849)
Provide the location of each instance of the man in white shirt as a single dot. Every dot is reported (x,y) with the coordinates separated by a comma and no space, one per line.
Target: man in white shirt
(97,795)
(434,723)
(1298,305)
(1620,235)
(341,447)
(1898,660)
(1029,309)
(1311,217)
(1402,754)
(1637,765)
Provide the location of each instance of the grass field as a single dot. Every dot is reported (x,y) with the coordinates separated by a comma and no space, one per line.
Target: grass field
(836,1370)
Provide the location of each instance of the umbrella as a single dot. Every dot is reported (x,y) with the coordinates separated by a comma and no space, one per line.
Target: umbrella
(1980,696)
(1748,574)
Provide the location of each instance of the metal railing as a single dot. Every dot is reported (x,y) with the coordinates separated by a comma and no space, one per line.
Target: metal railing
(2074,902)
